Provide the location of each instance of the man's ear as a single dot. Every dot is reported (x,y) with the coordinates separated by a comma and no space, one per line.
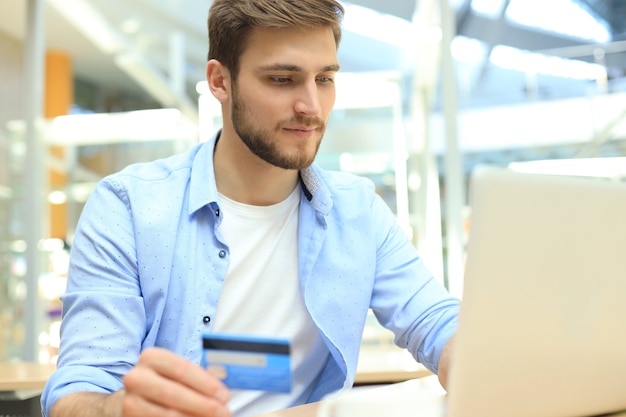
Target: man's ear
(218,78)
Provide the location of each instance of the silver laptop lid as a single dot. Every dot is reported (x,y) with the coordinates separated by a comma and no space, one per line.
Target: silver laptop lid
(542,327)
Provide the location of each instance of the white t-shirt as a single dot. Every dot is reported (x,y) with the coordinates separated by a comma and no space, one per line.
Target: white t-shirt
(262,297)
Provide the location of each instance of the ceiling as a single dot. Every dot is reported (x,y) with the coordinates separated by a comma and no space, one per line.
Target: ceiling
(164,37)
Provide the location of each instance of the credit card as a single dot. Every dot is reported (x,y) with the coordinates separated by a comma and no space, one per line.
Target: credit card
(248,362)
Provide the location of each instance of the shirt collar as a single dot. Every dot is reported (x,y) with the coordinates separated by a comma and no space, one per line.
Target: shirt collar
(202,187)
(203,190)
(315,189)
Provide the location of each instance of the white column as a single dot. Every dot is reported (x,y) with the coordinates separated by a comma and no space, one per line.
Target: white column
(427,21)
(34,171)
(455,187)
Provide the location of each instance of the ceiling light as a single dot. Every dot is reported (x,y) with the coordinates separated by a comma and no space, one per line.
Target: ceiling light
(388,28)
(535,63)
(614,167)
(57,197)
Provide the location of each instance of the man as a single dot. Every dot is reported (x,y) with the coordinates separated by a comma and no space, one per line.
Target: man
(242,235)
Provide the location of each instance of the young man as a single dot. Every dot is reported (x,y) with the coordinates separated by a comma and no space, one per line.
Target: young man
(245,235)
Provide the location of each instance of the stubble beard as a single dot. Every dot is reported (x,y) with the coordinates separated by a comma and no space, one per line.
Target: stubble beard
(260,141)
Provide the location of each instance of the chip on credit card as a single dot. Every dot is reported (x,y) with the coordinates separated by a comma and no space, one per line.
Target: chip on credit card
(248,362)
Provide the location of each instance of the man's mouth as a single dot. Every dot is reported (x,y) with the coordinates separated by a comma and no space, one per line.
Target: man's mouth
(303,128)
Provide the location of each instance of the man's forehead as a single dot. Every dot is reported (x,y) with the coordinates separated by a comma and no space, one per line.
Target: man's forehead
(270,42)
(291,50)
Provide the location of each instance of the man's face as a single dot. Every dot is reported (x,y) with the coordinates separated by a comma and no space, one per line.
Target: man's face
(284,94)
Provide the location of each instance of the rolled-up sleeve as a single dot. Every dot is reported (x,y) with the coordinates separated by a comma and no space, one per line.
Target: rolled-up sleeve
(103,312)
(407,299)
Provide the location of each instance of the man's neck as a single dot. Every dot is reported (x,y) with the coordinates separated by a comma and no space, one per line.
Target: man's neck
(242,176)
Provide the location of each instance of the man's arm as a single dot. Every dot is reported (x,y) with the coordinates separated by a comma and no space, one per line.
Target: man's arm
(444,362)
(89,404)
(160,383)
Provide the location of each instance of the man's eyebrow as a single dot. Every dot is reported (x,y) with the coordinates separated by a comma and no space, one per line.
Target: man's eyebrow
(331,68)
(295,68)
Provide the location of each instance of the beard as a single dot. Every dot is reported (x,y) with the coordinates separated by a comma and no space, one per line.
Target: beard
(260,140)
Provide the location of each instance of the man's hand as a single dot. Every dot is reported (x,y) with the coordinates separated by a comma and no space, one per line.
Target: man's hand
(162,383)
(444,362)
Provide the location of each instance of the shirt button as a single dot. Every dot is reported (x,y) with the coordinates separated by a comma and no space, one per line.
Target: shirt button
(222,254)
(206,319)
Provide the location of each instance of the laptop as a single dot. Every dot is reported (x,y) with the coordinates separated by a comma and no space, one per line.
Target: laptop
(542,326)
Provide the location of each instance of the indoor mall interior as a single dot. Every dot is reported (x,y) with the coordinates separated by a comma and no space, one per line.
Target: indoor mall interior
(428,90)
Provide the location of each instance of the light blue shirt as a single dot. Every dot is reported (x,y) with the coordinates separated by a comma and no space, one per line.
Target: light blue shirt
(148,263)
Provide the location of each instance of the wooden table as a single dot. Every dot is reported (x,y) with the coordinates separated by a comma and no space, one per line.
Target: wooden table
(23,376)
(21,385)
(386,366)
(376,366)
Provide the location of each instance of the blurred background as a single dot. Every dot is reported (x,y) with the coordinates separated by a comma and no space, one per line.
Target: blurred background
(428,90)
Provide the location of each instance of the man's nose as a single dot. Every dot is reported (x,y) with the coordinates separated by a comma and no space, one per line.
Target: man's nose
(308,99)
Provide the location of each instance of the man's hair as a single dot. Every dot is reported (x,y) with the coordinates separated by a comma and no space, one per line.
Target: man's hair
(231,23)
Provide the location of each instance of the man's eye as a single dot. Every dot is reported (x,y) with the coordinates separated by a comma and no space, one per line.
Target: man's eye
(280,80)
(325,80)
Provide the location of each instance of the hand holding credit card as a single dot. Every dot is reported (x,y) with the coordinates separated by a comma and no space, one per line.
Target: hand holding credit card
(249,362)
